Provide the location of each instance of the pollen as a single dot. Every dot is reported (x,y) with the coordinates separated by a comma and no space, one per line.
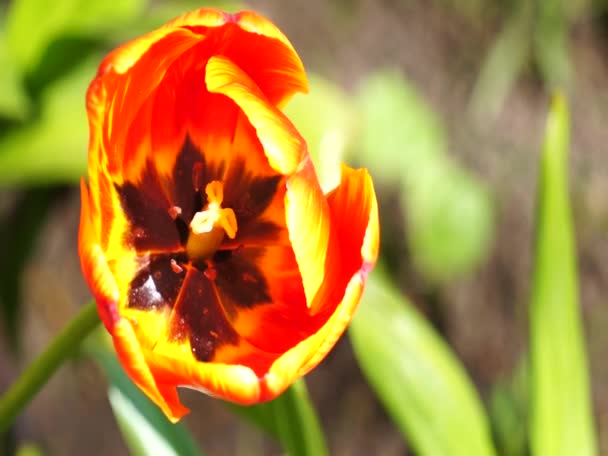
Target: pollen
(209,226)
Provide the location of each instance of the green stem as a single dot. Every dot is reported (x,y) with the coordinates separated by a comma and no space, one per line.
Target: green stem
(40,370)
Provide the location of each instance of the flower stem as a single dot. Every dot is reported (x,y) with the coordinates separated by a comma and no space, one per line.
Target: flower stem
(41,369)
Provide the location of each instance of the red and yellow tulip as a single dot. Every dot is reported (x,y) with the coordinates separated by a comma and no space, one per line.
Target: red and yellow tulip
(216,261)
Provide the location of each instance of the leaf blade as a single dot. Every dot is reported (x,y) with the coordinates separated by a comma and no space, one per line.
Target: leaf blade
(562,421)
(291,419)
(422,385)
(144,427)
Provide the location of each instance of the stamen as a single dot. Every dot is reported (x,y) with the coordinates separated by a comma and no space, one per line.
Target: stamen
(176,267)
(175,211)
(214,215)
(209,226)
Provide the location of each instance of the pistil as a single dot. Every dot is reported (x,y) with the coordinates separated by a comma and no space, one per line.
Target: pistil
(209,226)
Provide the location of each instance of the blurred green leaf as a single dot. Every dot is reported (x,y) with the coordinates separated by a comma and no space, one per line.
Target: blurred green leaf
(450,217)
(325,117)
(144,427)
(259,415)
(297,424)
(52,148)
(291,419)
(504,63)
(399,133)
(29,449)
(562,420)
(422,385)
(14,102)
(449,213)
(551,41)
(32,25)
(508,409)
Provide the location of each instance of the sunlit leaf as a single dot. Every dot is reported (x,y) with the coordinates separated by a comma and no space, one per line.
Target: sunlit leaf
(450,217)
(291,419)
(422,385)
(399,132)
(562,419)
(34,24)
(14,102)
(144,427)
(448,212)
(53,148)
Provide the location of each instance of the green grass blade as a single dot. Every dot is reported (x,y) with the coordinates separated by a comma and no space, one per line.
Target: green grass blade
(291,419)
(144,427)
(562,422)
(421,383)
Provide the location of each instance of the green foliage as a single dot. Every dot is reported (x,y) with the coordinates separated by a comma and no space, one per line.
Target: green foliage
(508,410)
(504,63)
(562,422)
(448,212)
(29,449)
(400,135)
(14,102)
(422,385)
(32,25)
(52,147)
(291,419)
(534,33)
(144,427)
(49,54)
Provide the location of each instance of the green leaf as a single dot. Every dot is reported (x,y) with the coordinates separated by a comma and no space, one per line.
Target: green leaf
(325,118)
(504,63)
(449,213)
(399,133)
(32,25)
(562,419)
(259,415)
(551,41)
(451,221)
(29,449)
(14,102)
(291,419)
(422,385)
(508,409)
(144,427)
(53,148)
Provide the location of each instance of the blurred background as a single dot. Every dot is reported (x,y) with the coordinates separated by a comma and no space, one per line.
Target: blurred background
(444,101)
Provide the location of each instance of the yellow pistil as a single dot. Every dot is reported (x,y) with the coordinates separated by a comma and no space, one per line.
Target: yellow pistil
(209,226)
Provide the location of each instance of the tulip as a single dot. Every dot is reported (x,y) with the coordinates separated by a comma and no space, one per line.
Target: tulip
(216,261)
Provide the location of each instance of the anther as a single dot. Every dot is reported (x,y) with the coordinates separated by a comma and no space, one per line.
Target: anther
(209,226)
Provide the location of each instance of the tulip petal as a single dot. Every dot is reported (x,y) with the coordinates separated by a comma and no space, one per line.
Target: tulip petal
(283,145)
(240,316)
(94,264)
(137,366)
(305,207)
(355,228)
(236,383)
(354,212)
(261,49)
